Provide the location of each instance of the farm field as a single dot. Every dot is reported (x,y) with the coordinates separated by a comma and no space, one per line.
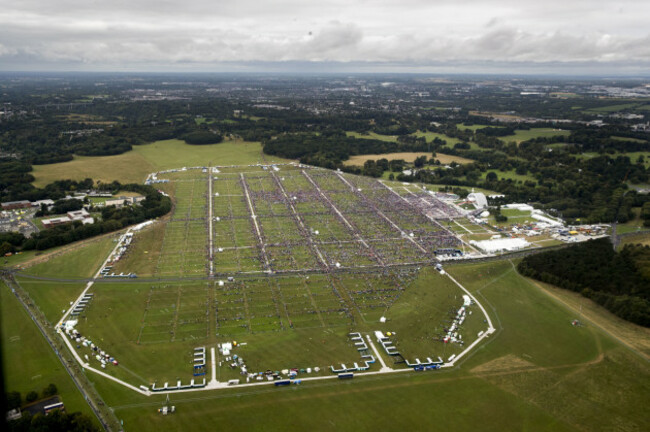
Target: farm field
(406,156)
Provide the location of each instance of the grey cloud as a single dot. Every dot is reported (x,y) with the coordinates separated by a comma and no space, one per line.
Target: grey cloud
(123,33)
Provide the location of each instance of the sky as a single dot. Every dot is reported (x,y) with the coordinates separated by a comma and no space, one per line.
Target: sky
(462,36)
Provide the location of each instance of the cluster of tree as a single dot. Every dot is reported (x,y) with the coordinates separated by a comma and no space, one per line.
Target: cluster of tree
(202,137)
(331,149)
(55,190)
(618,281)
(10,242)
(15,177)
(112,219)
(645,214)
(60,206)
(498,216)
(56,421)
(15,399)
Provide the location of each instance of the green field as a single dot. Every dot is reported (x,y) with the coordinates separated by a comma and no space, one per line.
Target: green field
(536,373)
(373,135)
(510,175)
(611,108)
(133,166)
(28,360)
(462,126)
(430,136)
(634,156)
(525,135)
(635,140)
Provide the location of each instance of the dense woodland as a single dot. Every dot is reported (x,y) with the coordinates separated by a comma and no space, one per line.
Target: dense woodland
(618,281)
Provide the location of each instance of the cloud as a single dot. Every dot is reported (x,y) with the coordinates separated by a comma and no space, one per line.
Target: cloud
(120,33)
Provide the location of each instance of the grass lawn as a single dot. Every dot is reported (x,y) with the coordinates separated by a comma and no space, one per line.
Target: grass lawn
(54,296)
(632,155)
(373,135)
(611,108)
(79,263)
(536,373)
(128,167)
(512,175)
(462,126)
(406,156)
(525,135)
(636,140)
(430,136)
(133,166)
(28,360)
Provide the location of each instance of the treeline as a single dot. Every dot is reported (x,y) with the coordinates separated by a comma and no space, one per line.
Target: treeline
(57,142)
(202,137)
(618,281)
(56,421)
(24,190)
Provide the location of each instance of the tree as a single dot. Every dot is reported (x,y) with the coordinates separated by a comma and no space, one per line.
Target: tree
(14,400)
(31,396)
(50,390)
(5,248)
(420,161)
(491,177)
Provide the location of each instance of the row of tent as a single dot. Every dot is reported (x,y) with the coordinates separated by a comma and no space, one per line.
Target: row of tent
(178,386)
(362,347)
(81,304)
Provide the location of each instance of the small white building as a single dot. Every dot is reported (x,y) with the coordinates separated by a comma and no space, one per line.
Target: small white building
(501,245)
